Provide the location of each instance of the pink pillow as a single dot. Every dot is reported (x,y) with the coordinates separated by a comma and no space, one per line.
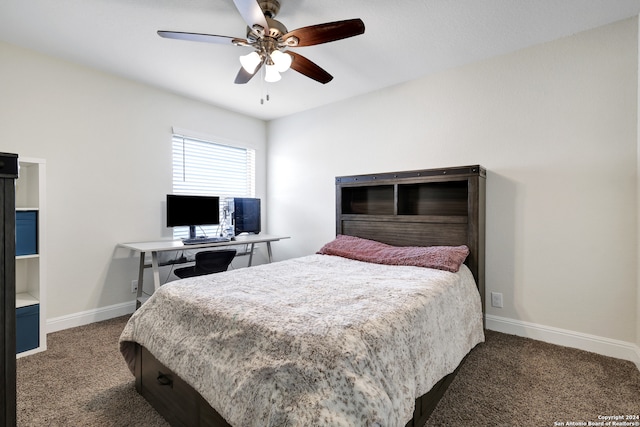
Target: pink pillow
(447,258)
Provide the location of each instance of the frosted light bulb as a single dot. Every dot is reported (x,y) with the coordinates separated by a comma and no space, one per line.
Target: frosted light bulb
(281,60)
(271,75)
(250,62)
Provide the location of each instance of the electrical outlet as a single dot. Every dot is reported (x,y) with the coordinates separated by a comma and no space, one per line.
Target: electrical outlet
(496,299)
(134,286)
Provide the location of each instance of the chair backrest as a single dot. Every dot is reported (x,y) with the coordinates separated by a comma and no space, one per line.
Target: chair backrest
(214,261)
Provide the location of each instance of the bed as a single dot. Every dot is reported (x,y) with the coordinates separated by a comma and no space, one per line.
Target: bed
(294,343)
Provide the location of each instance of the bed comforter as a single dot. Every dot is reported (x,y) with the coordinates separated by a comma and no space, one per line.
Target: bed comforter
(317,340)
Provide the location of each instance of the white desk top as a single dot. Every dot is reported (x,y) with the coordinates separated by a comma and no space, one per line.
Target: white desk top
(173,245)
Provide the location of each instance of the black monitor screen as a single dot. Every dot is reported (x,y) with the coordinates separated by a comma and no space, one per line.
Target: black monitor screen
(192,210)
(246,215)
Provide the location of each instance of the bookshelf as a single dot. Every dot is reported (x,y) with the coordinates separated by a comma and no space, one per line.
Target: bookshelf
(31,334)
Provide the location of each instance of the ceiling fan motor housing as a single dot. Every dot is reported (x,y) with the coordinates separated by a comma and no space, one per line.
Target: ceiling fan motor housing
(270,7)
(276,28)
(276,31)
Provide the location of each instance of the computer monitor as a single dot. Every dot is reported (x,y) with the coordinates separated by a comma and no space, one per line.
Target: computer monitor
(246,215)
(192,211)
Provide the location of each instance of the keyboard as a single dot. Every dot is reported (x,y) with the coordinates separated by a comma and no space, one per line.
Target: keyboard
(199,240)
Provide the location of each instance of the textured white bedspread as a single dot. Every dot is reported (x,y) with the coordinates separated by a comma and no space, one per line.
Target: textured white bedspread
(312,341)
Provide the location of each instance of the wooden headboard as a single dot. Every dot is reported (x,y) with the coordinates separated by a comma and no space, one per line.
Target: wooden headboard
(444,207)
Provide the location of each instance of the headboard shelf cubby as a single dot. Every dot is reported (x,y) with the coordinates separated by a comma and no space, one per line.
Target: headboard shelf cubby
(369,200)
(427,207)
(433,198)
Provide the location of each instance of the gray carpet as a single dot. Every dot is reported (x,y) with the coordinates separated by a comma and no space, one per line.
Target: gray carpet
(514,381)
(81,380)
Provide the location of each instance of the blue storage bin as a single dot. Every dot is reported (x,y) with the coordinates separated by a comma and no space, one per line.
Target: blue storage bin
(26,232)
(27,328)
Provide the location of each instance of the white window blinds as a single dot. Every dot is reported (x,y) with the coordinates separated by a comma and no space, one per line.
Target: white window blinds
(211,169)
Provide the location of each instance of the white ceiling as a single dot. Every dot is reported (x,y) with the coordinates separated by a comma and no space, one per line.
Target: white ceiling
(404,40)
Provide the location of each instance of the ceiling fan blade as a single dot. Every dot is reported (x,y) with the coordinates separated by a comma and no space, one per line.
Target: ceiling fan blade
(244,76)
(207,38)
(324,33)
(252,13)
(309,69)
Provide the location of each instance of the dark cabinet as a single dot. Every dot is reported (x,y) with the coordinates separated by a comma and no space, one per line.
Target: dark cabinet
(8,175)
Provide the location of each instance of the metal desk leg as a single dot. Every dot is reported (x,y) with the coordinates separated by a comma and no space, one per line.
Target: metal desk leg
(156,270)
(140,281)
(269,251)
(251,255)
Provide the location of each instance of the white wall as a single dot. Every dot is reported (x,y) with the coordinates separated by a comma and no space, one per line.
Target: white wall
(107,143)
(556,127)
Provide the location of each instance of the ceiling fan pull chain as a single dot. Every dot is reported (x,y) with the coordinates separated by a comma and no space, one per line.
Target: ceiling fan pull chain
(262,90)
(262,86)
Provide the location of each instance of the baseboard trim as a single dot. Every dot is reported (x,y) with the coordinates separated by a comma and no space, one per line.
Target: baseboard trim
(595,344)
(89,316)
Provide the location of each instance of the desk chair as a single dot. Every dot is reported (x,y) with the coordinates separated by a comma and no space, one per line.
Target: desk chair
(208,262)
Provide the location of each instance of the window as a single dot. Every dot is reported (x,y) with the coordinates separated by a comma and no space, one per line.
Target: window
(211,169)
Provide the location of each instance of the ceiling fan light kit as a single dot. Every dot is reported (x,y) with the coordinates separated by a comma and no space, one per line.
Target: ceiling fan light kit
(270,40)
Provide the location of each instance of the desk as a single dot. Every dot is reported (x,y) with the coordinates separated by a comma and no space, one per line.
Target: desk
(177,245)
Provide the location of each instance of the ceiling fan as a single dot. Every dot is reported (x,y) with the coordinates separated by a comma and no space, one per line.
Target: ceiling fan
(271,40)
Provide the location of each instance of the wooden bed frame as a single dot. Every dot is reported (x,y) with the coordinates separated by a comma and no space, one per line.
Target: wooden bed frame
(413,208)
